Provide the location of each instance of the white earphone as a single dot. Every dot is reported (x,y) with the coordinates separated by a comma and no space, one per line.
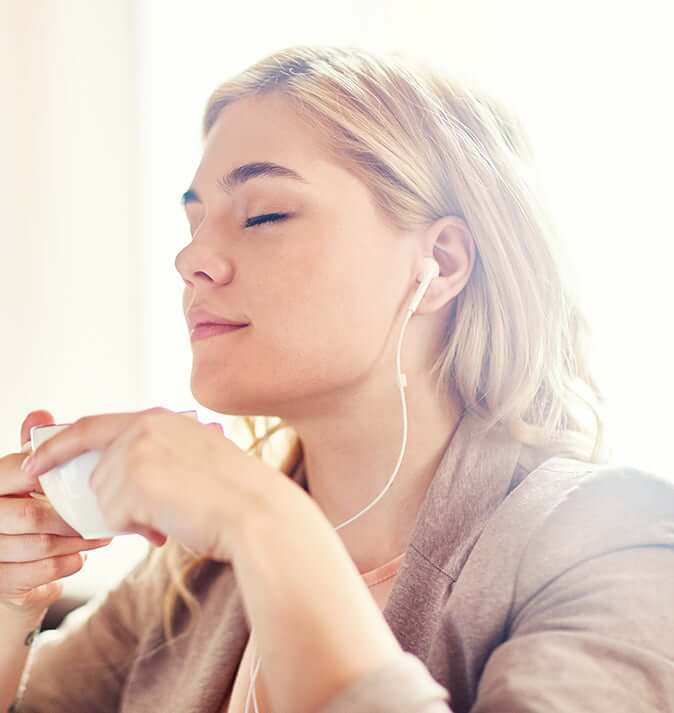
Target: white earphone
(430,271)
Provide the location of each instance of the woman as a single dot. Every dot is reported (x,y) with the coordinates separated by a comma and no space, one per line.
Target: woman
(499,564)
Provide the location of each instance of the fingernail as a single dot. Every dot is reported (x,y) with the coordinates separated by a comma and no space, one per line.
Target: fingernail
(27,464)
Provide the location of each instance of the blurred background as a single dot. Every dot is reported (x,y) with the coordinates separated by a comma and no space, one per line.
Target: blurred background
(101,113)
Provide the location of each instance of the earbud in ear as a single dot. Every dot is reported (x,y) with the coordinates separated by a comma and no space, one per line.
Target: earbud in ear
(430,271)
(431,268)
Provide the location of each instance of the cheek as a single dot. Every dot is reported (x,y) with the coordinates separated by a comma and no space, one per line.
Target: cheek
(330,338)
(291,361)
(335,316)
(320,321)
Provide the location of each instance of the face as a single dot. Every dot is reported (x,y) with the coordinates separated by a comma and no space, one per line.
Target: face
(320,286)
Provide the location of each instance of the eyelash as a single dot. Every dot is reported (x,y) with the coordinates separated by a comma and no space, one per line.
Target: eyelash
(266,218)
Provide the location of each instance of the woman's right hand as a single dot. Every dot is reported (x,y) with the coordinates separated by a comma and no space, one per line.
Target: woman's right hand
(37,547)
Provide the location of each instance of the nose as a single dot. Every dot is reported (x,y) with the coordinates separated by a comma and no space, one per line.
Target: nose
(197,261)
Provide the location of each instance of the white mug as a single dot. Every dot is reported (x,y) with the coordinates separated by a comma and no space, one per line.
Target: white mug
(67,488)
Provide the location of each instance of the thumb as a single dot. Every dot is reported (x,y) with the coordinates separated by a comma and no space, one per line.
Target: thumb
(34,418)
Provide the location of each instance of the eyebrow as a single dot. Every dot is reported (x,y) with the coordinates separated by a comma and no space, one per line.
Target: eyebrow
(242,174)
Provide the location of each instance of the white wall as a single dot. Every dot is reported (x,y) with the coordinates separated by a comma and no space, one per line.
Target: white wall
(70,236)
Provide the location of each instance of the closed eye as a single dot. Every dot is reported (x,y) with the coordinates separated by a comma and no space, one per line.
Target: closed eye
(266,218)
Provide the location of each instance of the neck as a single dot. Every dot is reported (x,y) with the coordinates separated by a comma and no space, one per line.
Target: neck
(350,457)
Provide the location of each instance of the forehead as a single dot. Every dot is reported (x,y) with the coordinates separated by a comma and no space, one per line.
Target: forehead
(268,130)
(264,128)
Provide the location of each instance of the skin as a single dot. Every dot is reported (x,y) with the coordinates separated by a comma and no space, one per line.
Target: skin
(325,292)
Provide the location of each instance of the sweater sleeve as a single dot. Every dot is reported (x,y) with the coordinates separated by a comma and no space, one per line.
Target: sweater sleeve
(592,623)
(403,685)
(82,666)
(592,626)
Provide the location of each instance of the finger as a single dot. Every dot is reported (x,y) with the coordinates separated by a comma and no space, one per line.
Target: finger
(155,537)
(29,548)
(21,516)
(12,479)
(19,577)
(36,485)
(37,489)
(87,433)
(35,418)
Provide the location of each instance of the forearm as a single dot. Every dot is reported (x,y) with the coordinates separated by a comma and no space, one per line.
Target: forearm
(316,626)
(17,635)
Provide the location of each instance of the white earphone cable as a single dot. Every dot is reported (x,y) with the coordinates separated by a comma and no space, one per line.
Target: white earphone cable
(402,384)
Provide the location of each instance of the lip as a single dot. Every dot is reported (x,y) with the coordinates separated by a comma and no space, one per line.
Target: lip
(203,331)
(198,315)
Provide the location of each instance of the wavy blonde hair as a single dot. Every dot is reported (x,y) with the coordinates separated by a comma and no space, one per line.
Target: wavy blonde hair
(428,145)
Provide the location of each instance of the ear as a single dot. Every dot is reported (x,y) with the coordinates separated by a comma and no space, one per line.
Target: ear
(451,243)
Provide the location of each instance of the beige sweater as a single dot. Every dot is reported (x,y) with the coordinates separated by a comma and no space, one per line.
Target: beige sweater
(527,586)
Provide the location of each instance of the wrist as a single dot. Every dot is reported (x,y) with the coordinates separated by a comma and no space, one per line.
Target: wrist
(20,624)
(15,617)
(277,501)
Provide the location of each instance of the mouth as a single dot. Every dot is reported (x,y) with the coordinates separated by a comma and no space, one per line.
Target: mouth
(205,330)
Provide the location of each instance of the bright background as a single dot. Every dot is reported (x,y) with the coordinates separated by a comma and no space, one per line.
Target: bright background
(100,135)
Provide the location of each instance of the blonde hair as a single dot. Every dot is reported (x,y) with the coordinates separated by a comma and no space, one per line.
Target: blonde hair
(428,145)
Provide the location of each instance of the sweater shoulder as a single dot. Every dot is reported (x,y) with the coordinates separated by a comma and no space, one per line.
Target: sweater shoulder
(573,511)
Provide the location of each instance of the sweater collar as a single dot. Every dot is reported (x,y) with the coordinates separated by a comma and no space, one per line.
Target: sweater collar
(473,477)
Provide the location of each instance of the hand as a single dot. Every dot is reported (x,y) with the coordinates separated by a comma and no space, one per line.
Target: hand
(164,474)
(37,547)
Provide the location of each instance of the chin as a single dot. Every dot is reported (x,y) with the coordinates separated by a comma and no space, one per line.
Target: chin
(211,396)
